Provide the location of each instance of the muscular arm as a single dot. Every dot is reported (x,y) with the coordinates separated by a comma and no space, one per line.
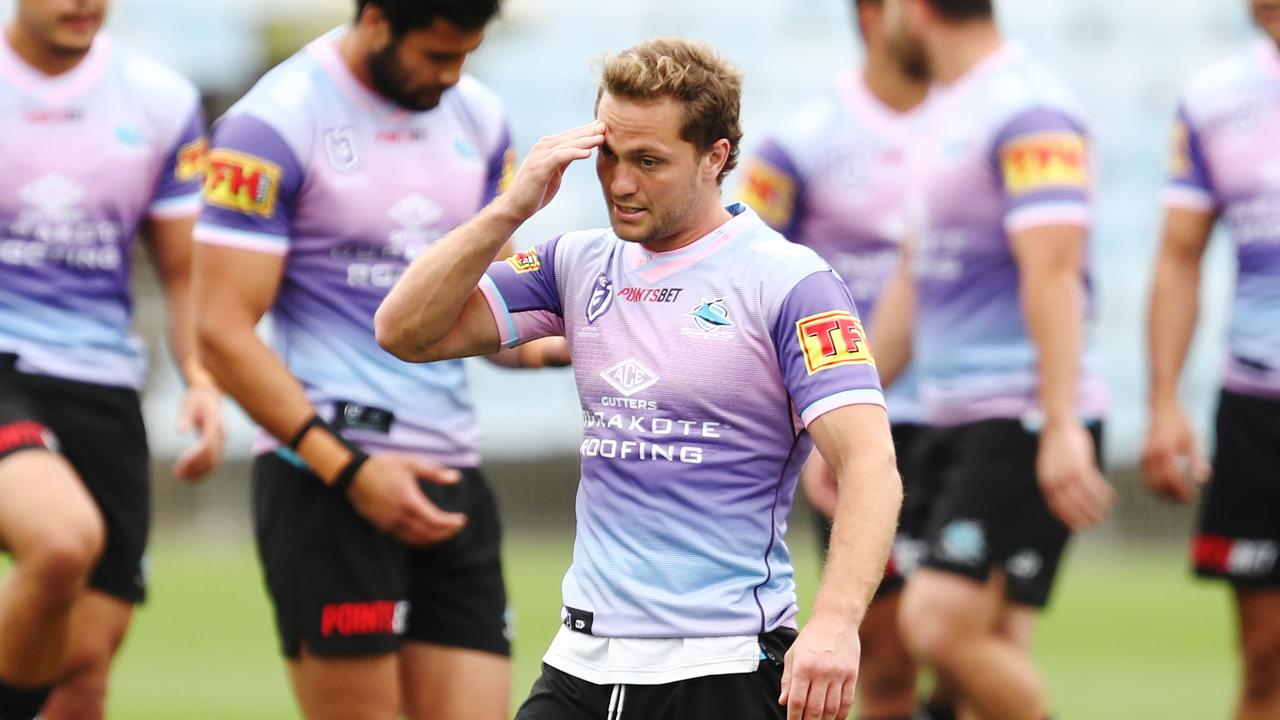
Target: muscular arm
(892,323)
(823,663)
(1170,453)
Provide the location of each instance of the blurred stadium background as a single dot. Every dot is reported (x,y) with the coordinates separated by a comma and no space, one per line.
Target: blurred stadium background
(1130,635)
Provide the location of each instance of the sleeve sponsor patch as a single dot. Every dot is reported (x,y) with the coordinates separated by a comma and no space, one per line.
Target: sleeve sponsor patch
(191,160)
(1045,161)
(508,170)
(832,339)
(1180,164)
(770,192)
(525,262)
(241,182)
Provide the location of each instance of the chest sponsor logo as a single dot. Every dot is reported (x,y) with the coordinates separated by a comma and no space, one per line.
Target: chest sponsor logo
(191,160)
(1045,161)
(54,117)
(416,215)
(242,182)
(629,377)
(54,196)
(340,148)
(832,339)
(53,228)
(770,192)
(525,262)
(650,295)
(601,299)
(401,136)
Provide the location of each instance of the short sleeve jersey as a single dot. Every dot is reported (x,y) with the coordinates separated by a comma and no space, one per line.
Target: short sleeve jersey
(832,177)
(697,371)
(88,156)
(1226,160)
(1001,150)
(349,188)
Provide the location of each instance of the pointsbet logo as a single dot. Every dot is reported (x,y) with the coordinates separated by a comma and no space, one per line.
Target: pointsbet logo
(241,182)
(832,339)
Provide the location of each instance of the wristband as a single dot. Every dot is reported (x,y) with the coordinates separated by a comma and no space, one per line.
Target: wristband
(313,422)
(347,475)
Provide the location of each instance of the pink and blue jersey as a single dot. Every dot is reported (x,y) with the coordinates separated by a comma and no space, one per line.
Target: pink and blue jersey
(1002,150)
(1226,160)
(832,177)
(88,156)
(698,371)
(349,188)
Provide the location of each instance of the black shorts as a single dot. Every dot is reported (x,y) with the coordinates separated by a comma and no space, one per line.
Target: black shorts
(988,510)
(908,544)
(746,696)
(342,587)
(1239,533)
(99,430)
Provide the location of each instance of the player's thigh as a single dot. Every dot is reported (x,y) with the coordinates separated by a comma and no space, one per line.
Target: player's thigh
(449,683)
(887,671)
(44,508)
(1017,623)
(346,688)
(941,608)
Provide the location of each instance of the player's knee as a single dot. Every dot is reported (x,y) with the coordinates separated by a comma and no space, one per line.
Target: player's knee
(882,683)
(61,557)
(926,633)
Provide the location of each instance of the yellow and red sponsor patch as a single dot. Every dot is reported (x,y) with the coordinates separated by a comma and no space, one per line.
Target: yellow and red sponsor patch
(770,192)
(508,170)
(1045,161)
(241,182)
(191,160)
(832,339)
(525,262)
(1180,150)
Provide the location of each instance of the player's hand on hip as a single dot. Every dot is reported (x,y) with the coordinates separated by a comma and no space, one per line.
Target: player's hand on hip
(539,177)
(820,671)
(201,411)
(387,494)
(1172,465)
(1073,485)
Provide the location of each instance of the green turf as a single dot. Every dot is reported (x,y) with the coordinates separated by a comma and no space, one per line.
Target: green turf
(1130,636)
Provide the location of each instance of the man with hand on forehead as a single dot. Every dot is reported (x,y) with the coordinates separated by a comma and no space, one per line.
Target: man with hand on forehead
(710,356)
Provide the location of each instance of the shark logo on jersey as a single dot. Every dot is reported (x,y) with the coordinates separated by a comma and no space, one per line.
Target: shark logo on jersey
(963,542)
(711,315)
(340,146)
(601,299)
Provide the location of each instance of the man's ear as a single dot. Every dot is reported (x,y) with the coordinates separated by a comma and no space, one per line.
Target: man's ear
(373,22)
(716,157)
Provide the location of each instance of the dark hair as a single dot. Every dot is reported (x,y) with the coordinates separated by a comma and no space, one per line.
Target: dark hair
(406,15)
(963,9)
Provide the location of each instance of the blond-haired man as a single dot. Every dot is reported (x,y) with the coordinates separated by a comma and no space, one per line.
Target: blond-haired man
(710,355)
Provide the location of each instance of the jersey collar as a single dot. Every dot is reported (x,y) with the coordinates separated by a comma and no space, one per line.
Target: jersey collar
(655,267)
(56,89)
(325,52)
(866,107)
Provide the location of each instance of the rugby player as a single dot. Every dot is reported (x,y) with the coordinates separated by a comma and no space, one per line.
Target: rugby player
(710,356)
(993,305)
(831,177)
(1226,165)
(339,166)
(99,147)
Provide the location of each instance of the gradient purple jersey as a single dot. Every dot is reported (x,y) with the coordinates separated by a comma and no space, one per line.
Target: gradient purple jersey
(88,156)
(832,177)
(1001,150)
(698,371)
(349,188)
(1226,160)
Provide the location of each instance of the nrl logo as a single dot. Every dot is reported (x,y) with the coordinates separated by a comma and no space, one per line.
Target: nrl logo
(340,146)
(601,299)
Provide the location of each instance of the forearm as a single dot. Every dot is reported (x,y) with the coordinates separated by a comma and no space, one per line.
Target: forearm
(891,328)
(246,369)
(1053,305)
(427,301)
(1171,324)
(866,518)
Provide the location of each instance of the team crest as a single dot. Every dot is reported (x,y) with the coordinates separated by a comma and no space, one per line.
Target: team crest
(601,299)
(340,146)
(711,315)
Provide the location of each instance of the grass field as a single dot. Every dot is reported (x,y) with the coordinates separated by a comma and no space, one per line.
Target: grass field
(1130,636)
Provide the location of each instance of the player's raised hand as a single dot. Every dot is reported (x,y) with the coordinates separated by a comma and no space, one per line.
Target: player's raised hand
(820,671)
(386,492)
(202,412)
(1073,485)
(1172,465)
(539,177)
